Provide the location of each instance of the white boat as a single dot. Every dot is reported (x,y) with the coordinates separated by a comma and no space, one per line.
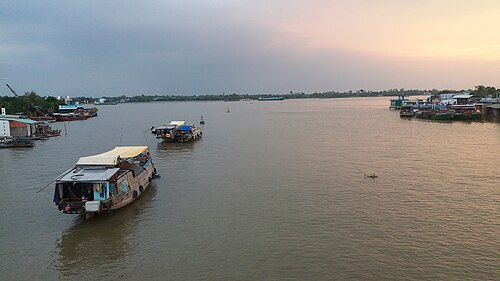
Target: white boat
(105,182)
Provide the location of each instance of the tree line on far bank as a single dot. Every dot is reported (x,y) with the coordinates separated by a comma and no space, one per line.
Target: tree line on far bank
(32,104)
(480,91)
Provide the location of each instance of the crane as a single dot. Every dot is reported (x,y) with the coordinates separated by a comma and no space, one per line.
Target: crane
(14,92)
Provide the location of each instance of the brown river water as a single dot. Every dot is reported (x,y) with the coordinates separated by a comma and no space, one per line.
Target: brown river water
(273,191)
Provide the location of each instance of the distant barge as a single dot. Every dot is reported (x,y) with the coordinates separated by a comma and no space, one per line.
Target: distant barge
(271,99)
(105,182)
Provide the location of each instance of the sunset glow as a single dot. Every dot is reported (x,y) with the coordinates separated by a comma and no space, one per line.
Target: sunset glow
(251,46)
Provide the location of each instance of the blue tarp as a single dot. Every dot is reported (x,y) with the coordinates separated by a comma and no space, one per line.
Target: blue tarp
(184,128)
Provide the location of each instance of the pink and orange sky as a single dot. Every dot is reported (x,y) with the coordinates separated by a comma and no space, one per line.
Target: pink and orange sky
(199,47)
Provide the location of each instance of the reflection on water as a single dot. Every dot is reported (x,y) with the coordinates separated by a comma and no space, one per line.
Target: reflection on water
(273,191)
(175,146)
(99,245)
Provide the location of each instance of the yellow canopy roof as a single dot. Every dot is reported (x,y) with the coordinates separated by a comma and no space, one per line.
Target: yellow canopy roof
(110,158)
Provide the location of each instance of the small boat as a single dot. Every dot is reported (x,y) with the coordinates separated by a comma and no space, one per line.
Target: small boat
(8,142)
(104,182)
(202,122)
(406,111)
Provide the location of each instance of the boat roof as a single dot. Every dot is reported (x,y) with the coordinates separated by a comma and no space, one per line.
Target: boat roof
(184,128)
(464,96)
(178,123)
(167,127)
(89,175)
(110,158)
(69,106)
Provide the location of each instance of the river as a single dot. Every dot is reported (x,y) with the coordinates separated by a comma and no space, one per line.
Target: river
(273,191)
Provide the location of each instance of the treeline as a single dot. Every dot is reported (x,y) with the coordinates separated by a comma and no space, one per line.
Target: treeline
(236,97)
(30,104)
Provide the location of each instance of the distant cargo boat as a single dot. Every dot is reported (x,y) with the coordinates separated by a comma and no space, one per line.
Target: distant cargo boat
(106,103)
(105,182)
(270,98)
(178,131)
(74,112)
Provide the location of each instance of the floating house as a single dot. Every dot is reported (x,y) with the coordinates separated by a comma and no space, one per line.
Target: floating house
(462,99)
(17,127)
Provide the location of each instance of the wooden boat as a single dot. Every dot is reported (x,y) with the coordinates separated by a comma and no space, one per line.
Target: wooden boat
(178,131)
(48,119)
(105,182)
(69,117)
(406,111)
(467,115)
(73,112)
(434,115)
(441,116)
(8,142)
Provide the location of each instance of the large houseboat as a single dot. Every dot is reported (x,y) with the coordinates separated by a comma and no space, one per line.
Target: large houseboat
(73,112)
(105,182)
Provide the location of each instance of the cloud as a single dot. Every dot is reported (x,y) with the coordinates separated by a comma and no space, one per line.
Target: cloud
(198,47)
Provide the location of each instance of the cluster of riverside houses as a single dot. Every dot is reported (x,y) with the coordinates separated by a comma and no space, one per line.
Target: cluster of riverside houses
(449,105)
(21,127)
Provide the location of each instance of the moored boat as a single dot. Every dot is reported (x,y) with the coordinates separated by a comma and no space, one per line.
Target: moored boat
(398,103)
(406,111)
(443,116)
(8,142)
(105,182)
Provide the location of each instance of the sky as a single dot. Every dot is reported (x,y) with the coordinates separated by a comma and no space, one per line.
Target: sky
(193,47)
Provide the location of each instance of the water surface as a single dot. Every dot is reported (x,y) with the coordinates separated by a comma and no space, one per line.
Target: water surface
(273,191)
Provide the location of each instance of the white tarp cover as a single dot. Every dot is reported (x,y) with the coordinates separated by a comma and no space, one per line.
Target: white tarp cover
(110,158)
(178,123)
(465,96)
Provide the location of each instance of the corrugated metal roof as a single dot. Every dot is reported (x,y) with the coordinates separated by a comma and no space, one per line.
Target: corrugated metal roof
(89,175)
(465,96)
(21,120)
